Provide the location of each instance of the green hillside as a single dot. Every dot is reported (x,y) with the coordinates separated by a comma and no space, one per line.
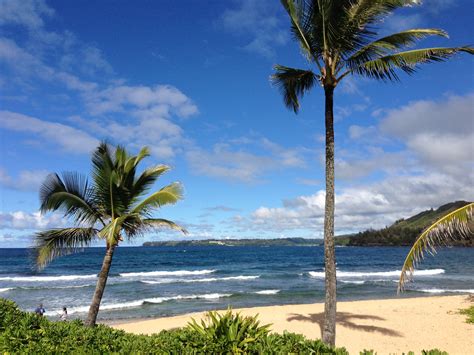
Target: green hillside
(405,231)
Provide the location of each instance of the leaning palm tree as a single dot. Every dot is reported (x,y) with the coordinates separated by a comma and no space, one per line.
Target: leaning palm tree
(454,226)
(109,208)
(337,37)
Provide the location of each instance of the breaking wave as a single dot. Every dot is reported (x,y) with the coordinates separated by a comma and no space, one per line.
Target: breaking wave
(155,300)
(47,278)
(210,279)
(168,273)
(431,272)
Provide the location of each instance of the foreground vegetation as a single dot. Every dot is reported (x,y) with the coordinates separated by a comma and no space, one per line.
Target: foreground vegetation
(228,333)
(469,312)
(22,332)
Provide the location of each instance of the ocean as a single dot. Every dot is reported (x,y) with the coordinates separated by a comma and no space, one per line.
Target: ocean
(163,281)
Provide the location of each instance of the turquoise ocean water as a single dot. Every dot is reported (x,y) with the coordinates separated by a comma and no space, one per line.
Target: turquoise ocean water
(162,281)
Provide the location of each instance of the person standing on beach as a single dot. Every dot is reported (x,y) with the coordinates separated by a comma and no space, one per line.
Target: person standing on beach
(63,315)
(40,310)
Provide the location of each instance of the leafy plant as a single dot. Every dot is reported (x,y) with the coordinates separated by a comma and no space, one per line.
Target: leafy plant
(469,312)
(22,332)
(230,330)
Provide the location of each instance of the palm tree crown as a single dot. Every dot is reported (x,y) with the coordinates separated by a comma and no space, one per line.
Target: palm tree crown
(110,207)
(338,36)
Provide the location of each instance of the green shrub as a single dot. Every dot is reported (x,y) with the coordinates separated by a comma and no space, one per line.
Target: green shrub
(230,331)
(27,333)
(469,312)
(22,332)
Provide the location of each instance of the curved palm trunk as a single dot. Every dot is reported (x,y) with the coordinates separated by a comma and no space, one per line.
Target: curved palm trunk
(329,328)
(100,287)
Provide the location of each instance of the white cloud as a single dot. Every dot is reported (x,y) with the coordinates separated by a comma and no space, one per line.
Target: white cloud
(148,102)
(231,161)
(21,220)
(67,137)
(361,207)
(28,13)
(27,180)
(260,21)
(440,133)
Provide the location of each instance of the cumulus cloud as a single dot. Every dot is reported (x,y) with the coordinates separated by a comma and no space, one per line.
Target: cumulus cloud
(261,22)
(440,133)
(26,180)
(68,138)
(28,13)
(21,220)
(234,161)
(358,208)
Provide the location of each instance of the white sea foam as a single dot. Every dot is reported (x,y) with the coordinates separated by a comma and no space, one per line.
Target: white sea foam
(377,273)
(155,300)
(210,279)
(47,278)
(438,290)
(6,289)
(167,273)
(355,282)
(267,292)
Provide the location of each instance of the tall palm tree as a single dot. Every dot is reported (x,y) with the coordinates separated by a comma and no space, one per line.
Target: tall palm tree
(109,208)
(456,225)
(337,37)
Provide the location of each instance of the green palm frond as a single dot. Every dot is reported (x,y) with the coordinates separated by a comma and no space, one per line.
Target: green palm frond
(58,242)
(300,14)
(455,225)
(147,178)
(111,232)
(160,222)
(293,83)
(71,194)
(384,67)
(169,194)
(392,42)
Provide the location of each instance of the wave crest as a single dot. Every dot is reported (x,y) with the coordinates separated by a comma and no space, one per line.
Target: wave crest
(47,278)
(155,300)
(210,279)
(430,272)
(167,273)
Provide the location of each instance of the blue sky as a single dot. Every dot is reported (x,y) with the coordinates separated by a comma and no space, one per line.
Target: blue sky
(190,80)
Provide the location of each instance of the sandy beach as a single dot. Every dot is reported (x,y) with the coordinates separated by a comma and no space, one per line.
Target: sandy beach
(387,326)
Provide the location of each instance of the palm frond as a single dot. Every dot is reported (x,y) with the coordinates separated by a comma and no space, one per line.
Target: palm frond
(389,43)
(169,194)
(296,13)
(383,68)
(147,178)
(71,194)
(111,232)
(293,84)
(160,222)
(53,243)
(453,226)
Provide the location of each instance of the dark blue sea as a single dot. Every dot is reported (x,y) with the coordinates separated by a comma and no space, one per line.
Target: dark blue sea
(163,281)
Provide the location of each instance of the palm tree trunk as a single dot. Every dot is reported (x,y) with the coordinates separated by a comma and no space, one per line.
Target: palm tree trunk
(329,328)
(100,287)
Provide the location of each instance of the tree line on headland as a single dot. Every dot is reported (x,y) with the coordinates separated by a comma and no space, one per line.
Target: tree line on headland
(403,232)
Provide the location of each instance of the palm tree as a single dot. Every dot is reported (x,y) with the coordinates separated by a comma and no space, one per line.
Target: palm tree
(454,226)
(111,207)
(337,37)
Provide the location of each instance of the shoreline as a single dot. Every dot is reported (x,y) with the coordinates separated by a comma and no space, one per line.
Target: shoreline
(385,325)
